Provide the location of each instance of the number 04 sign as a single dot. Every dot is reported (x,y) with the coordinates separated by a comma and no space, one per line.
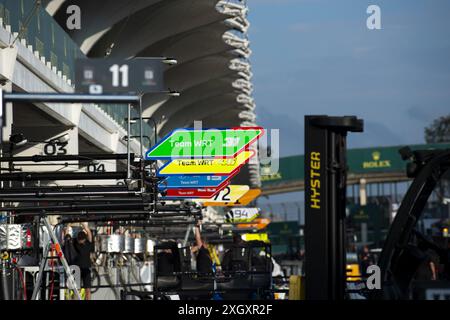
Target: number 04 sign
(97,76)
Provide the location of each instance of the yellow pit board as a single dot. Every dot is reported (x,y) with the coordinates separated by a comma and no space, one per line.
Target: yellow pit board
(218,166)
(264,237)
(230,193)
(242,201)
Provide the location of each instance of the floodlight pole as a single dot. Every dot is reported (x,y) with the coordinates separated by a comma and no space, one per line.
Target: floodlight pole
(141,134)
(128,142)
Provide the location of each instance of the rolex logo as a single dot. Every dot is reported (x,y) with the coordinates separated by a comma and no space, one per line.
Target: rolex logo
(376,156)
(266,170)
(376,162)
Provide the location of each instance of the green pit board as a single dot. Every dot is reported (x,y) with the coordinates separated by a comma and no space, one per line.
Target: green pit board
(206,143)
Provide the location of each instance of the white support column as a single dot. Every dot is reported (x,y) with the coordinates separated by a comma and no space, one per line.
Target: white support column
(7,114)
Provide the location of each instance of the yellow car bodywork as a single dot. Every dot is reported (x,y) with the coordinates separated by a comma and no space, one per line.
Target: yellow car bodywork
(353,272)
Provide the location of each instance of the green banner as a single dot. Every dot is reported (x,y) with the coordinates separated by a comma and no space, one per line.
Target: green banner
(360,161)
(288,228)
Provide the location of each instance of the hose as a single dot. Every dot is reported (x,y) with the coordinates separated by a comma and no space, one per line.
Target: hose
(136,278)
(109,281)
(5,285)
(53,281)
(122,282)
(23,282)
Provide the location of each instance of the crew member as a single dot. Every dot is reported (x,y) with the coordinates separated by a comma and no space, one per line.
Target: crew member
(68,245)
(204,261)
(166,262)
(227,261)
(83,248)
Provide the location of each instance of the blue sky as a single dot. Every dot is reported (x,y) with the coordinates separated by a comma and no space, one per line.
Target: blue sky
(318,57)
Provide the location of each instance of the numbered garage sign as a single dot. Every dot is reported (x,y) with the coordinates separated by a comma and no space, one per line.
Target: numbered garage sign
(108,76)
(231,193)
(94,167)
(241,215)
(53,148)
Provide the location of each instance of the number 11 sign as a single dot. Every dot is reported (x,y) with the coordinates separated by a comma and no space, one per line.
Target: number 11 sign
(97,76)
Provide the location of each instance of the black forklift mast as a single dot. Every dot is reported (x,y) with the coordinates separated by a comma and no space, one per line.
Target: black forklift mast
(325,199)
(399,259)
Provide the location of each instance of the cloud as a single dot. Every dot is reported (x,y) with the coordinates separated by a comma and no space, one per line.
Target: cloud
(421,114)
(291,131)
(279,2)
(375,134)
(359,52)
(300,27)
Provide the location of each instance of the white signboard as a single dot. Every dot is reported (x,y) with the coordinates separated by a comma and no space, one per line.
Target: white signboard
(240,215)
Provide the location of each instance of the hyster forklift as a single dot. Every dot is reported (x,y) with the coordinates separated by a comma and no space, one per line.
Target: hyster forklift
(405,248)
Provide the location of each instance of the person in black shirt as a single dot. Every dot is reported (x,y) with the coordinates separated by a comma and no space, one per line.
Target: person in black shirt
(204,262)
(427,269)
(83,248)
(67,246)
(227,260)
(166,262)
(365,260)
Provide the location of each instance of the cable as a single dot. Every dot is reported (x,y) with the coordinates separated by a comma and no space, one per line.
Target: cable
(24,284)
(34,10)
(53,280)
(108,50)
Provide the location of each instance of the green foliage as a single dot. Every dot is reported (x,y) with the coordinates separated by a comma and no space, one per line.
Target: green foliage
(438,131)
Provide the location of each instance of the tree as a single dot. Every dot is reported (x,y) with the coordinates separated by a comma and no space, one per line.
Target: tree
(438,131)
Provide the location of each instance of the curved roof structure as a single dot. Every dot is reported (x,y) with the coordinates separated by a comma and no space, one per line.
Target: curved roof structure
(207,38)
